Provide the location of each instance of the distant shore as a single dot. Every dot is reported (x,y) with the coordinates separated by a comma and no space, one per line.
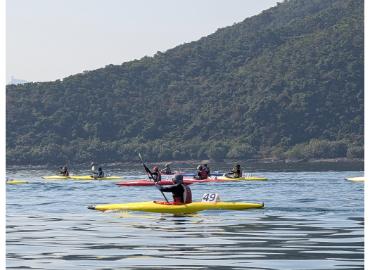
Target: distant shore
(267,164)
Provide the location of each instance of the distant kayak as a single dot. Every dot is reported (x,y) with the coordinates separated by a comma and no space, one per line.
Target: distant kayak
(244,178)
(80,177)
(146,182)
(16,182)
(212,174)
(89,177)
(163,207)
(188,181)
(56,177)
(356,179)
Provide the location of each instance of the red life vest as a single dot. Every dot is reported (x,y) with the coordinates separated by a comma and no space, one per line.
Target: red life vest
(203,174)
(186,196)
(157,176)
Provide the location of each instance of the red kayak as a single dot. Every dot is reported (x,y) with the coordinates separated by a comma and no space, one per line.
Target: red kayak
(145,182)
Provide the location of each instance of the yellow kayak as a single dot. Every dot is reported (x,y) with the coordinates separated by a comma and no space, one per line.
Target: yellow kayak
(244,178)
(162,207)
(356,179)
(89,177)
(56,177)
(16,182)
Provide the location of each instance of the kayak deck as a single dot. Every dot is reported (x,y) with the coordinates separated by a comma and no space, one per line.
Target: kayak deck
(80,177)
(161,207)
(56,177)
(89,177)
(244,178)
(16,182)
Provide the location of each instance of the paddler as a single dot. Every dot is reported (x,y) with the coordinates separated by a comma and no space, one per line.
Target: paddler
(63,171)
(201,173)
(181,193)
(156,174)
(96,173)
(236,172)
(166,169)
(100,173)
(207,170)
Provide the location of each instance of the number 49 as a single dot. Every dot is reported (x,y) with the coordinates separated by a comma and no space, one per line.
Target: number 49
(210,197)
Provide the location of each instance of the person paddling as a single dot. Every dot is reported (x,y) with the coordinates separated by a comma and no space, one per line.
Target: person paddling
(156,174)
(100,173)
(201,173)
(64,171)
(236,172)
(166,169)
(207,170)
(181,193)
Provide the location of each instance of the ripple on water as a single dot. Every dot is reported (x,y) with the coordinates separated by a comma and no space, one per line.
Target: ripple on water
(311,221)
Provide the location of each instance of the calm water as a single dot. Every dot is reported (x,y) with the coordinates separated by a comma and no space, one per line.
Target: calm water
(311,220)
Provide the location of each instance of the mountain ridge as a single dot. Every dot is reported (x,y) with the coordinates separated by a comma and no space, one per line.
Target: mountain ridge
(263,87)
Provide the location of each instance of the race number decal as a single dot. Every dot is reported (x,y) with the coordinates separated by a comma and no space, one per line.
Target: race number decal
(210,197)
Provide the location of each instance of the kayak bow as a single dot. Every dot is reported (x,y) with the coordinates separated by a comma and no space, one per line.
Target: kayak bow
(356,179)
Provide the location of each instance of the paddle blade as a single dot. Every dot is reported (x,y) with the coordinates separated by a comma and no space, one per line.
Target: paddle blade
(141,158)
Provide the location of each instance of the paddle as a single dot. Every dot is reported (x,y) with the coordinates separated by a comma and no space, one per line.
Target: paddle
(151,175)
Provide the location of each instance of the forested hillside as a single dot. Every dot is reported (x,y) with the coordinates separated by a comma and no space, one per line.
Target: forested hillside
(287,83)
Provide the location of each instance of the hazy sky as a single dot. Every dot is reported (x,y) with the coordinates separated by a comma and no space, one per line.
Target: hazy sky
(51,39)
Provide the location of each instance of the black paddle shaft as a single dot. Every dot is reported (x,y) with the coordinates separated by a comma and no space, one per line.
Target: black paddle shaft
(151,175)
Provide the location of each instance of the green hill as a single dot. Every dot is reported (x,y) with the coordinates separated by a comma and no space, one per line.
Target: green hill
(287,83)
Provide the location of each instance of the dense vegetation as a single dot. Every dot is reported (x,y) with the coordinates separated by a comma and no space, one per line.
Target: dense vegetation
(287,83)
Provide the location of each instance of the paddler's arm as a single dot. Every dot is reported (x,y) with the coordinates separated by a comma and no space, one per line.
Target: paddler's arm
(167,189)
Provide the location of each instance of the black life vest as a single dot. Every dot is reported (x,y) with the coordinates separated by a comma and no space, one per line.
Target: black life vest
(186,196)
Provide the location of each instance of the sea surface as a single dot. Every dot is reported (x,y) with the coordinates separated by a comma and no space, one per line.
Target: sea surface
(311,220)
